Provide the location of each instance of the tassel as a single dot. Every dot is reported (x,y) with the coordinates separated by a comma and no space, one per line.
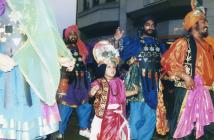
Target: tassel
(143,72)
(197,5)
(162,122)
(193,4)
(150,74)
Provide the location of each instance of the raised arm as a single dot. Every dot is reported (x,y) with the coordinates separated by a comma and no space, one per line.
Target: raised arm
(95,86)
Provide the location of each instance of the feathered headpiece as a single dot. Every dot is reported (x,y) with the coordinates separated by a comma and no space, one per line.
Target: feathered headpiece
(197,5)
(104,52)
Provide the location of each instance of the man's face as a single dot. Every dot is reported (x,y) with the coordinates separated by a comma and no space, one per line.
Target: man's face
(149,28)
(202,27)
(72,38)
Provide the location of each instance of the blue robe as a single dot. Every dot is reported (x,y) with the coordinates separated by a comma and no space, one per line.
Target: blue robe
(142,118)
(21,114)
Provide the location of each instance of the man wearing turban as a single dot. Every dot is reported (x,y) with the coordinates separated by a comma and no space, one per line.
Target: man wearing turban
(75,96)
(189,63)
(142,54)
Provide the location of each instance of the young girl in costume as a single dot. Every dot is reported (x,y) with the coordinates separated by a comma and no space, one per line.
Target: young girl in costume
(110,100)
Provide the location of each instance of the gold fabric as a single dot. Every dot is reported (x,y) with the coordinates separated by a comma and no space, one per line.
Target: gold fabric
(191,18)
(162,122)
(174,58)
(101,98)
(210,40)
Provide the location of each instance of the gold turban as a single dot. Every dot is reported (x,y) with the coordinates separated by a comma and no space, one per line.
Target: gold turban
(191,18)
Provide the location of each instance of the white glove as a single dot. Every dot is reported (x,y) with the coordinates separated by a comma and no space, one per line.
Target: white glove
(6,63)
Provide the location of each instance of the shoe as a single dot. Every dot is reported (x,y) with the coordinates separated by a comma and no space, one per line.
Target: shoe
(85,133)
(60,136)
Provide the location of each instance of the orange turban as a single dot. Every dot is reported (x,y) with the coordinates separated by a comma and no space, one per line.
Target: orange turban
(191,18)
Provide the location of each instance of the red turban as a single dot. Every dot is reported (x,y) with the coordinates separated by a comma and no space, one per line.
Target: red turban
(81,46)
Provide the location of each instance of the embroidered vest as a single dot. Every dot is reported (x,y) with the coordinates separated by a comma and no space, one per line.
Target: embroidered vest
(101,98)
(150,54)
(149,60)
(190,60)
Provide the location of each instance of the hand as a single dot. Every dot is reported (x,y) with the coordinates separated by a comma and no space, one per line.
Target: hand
(6,63)
(102,62)
(132,92)
(60,95)
(67,62)
(131,60)
(135,91)
(118,34)
(189,82)
(70,68)
(94,90)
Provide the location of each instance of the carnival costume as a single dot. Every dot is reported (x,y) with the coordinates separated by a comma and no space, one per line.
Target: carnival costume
(144,73)
(74,86)
(193,113)
(28,107)
(110,100)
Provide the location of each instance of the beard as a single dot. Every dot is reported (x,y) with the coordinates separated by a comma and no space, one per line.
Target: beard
(203,32)
(149,32)
(72,40)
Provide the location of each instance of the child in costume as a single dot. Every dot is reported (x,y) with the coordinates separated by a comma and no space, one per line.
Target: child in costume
(110,100)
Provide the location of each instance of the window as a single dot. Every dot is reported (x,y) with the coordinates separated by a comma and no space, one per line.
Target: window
(95,2)
(85,5)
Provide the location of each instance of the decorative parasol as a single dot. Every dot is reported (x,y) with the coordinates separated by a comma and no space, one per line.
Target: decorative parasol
(105,52)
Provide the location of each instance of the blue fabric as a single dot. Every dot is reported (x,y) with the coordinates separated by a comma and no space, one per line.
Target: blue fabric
(142,121)
(130,47)
(14,106)
(43,48)
(150,87)
(65,113)
(163,48)
(153,41)
(149,92)
(83,113)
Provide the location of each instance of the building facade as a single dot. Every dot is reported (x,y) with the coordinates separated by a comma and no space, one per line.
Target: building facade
(100,18)
(209,4)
